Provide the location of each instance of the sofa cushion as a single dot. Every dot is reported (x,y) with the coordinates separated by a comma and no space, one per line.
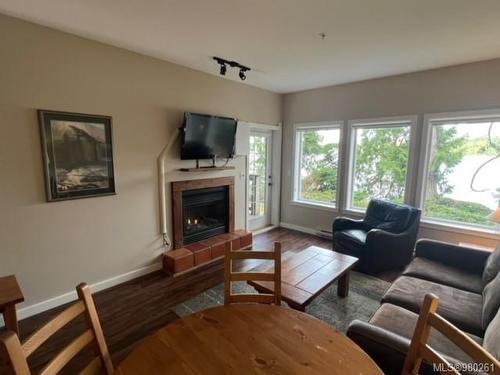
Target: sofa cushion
(492,267)
(402,322)
(356,235)
(387,216)
(460,307)
(491,300)
(492,337)
(427,269)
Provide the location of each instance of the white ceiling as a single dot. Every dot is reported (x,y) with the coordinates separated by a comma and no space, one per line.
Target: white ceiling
(279,38)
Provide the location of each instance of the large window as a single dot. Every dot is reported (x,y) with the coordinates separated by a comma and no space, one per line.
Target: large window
(380,154)
(317,164)
(462,170)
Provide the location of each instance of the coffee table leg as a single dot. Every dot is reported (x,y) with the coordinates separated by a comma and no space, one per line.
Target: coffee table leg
(297,307)
(343,285)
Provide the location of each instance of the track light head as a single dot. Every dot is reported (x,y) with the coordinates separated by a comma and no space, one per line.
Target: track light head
(223,69)
(242,75)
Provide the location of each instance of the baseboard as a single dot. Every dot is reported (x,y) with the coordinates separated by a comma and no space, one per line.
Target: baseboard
(48,304)
(298,228)
(264,230)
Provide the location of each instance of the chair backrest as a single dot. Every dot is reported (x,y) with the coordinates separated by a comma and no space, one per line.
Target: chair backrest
(391,217)
(271,277)
(420,351)
(18,353)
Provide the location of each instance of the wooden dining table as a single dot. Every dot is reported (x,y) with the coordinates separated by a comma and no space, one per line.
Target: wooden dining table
(248,339)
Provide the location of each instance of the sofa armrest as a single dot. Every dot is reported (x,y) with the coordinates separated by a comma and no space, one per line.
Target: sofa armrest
(468,259)
(386,348)
(343,223)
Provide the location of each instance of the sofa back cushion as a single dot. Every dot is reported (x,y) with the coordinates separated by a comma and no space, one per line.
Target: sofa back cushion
(492,267)
(491,340)
(491,300)
(387,216)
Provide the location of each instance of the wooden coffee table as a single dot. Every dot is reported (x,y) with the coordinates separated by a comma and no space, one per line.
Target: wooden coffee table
(307,273)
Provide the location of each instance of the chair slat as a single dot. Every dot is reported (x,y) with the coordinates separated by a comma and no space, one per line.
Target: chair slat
(60,360)
(255,276)
(252,254)
(474,350)
(43,334)
(93,368)
(251,298)
(434,357)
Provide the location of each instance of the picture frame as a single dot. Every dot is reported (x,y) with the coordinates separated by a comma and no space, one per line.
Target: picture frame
(77,155)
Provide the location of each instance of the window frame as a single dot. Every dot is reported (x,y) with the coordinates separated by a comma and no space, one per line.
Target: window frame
(429,120)
(378,123)
(297,153)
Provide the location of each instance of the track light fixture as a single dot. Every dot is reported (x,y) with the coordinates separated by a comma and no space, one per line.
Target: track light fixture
(233,64)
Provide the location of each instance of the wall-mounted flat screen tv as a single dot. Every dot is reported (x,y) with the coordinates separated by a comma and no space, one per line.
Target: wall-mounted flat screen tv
(207,137)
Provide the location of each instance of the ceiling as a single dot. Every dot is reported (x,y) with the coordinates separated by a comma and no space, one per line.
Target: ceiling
(279,39)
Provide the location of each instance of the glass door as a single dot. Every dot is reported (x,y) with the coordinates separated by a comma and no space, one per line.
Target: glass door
(259,179)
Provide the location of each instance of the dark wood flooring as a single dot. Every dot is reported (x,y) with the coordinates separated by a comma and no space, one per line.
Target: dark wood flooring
(135,309)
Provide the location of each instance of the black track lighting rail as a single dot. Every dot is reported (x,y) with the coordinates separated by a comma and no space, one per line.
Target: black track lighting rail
(233,64)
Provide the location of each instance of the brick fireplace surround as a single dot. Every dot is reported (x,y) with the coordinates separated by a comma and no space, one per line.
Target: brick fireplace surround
(188,256)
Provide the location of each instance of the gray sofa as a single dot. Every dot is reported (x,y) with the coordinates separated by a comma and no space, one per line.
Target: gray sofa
(467,281)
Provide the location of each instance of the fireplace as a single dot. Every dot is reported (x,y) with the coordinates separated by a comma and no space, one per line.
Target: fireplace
(202,209)
(205,213)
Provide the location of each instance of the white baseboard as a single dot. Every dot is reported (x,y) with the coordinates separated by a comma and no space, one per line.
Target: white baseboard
(298,228)
(50,303)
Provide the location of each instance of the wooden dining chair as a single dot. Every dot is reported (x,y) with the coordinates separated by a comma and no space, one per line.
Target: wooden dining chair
(19,353)
(274,277)
(420,351)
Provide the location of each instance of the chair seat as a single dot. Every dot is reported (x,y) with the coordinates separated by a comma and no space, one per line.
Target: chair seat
(357,236)
(402,322)
(430,270)
(460,307)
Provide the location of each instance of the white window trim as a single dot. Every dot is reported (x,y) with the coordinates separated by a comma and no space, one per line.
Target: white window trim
(382,122)
(296,162)
(436,223)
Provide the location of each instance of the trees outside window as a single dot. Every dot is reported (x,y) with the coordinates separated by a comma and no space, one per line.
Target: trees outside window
(457,188)
(380,163)
(317,165)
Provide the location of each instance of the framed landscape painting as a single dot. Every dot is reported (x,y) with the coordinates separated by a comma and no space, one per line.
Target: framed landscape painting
(78,155)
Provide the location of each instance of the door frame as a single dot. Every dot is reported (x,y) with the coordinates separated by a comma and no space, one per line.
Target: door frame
(275,191)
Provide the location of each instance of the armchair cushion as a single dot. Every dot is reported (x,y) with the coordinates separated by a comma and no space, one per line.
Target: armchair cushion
(355,235)
(462,308)
(387,216)
(491,300)
(441,273)
(492,267)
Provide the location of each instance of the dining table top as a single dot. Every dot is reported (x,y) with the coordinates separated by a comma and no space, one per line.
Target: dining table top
(248,339)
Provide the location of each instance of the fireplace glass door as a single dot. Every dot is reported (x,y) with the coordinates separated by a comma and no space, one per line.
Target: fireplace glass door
(205,213)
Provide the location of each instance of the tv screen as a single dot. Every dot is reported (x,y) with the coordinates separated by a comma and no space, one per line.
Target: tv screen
(207,137)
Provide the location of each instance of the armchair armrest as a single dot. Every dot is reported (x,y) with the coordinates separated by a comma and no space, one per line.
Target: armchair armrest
(468,259)
(386,348)
(342,223)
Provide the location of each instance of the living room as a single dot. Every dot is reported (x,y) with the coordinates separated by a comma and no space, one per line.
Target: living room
(359,141)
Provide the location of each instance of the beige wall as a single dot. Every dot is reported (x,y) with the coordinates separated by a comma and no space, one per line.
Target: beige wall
(465,87)
(53,246)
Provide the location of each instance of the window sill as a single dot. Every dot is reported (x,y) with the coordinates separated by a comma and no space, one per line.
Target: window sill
(461,229)
(317,205)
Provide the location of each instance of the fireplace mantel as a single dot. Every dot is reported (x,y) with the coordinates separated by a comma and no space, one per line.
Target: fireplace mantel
(178,187)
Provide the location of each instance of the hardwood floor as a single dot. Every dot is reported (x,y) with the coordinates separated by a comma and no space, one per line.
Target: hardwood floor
(137,308)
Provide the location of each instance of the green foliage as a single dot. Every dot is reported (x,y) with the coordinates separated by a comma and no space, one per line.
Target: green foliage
(451,209)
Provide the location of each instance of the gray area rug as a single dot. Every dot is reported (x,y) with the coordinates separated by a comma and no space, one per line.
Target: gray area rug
(365,293)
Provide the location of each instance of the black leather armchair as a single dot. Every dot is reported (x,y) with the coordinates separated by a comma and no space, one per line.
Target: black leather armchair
(383,240)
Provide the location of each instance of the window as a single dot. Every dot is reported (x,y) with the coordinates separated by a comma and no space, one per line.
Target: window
(317,164)
(462,170)
(380,155)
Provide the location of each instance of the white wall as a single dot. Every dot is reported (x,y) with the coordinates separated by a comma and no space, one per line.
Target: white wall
(465,87)
(51,247)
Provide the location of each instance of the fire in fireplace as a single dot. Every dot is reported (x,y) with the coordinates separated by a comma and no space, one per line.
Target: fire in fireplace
(205,213)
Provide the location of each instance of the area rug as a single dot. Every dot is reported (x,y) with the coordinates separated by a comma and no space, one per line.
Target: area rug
(365,293)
